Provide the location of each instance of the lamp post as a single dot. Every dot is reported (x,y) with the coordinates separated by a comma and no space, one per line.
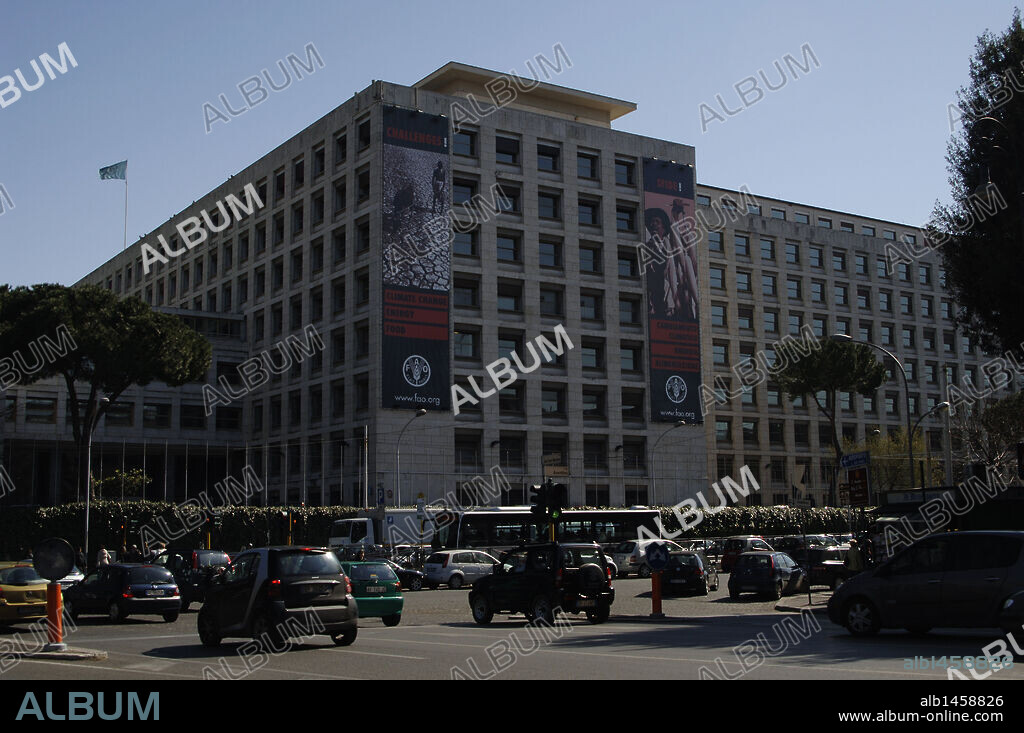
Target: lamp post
(654,462)
(844,338)
(88,469)
(940,406)
(398,456)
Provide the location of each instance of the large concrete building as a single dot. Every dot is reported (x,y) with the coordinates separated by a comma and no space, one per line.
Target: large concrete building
(560,250)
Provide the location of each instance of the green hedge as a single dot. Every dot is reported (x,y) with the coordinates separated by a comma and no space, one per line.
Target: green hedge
(22,527)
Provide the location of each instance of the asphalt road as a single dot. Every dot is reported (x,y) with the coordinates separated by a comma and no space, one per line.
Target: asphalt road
(437,639)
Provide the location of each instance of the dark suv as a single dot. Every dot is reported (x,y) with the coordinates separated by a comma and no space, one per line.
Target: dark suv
(271,591)
(193,571)
(539,579)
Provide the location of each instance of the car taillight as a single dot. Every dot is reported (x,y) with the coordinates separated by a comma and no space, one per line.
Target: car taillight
(176,592)
(398,585)
(608,574)
(444,563)
(771,564)
(127,592)
(195,561)
(348,585)
(700,573)
(274,589)
(1,592)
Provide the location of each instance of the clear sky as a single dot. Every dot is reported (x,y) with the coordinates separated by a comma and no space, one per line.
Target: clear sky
(864,132)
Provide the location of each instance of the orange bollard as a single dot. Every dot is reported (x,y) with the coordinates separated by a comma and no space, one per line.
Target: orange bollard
(656,595)
(54,614)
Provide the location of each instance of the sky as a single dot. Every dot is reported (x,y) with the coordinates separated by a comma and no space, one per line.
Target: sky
(863,130)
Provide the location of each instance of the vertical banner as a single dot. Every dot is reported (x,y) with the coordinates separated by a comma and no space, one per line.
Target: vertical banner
(416,250)
(673,304)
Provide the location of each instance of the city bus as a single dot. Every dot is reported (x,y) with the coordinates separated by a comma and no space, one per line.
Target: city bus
(497,529)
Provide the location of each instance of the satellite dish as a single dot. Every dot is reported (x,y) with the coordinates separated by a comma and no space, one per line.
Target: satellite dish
(53,558)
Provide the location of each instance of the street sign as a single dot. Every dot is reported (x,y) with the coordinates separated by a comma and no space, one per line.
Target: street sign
(380,496)
(391,520)
(657,555)
(859,486)
(854,460)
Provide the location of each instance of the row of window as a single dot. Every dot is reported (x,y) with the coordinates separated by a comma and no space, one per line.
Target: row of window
(778,438)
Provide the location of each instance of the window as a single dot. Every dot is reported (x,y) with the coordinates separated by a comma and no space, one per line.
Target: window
(590,259)
(193,417)
(340,149)
(510,297)
(885,301)
(906,305)
(363,133)
(816,257)
(845,226)
(507,150)
(592,354)
(861,264)
(549,158)
(754,209)
(715,241)
(629,311)
(779,214)
(509,247)
(838,261)
(792,253)
(718,315)
(627,264)
(908,338)
(819,324)
(550,253)
(589,212)
(510,399)
(549,205)
(801,218)
(703,200)
(745,318)
(363,186)
(625,173)
(867,231)
(723,432)
(767,249)
(924,274)
(720,353)
(551,301)
(466,244)
(717,278)
(362,287)
(552,400)
(927,307)
(793,290)
(824,223)
(510,201)
(591,307)
(467,344)
(464,143)
(903,271)
(631,358)
(817,291)
(769,285)
(886,334)
(864,298)
(467,294)
(625,218)
(842,294)
(633,405)
(743,282)
(771,322)
(742,244)
(298,173)
(587,166)
(796,322)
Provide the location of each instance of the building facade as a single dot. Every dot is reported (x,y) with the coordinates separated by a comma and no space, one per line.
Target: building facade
(558,250)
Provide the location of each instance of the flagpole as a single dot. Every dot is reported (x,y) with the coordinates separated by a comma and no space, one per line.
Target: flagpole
(124,245)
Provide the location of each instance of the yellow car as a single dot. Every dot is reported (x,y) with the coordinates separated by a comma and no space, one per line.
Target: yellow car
(22,594)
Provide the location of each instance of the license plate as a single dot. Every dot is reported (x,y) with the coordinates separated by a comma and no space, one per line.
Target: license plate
(586,603)
(31,611)
(154,592)
(677,581)
(375,589)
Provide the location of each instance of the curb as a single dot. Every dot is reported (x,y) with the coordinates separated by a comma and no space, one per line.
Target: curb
(69,654)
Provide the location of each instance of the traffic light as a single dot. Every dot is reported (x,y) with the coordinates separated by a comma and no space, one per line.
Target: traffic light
(539,501)
(558,497)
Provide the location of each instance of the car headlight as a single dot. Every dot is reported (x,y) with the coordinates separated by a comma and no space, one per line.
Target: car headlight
(1008,603)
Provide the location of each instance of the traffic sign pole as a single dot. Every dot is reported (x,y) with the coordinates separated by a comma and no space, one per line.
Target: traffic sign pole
(656,595)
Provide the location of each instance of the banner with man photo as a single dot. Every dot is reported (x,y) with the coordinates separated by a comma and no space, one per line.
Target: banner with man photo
(416,251)
(673,301)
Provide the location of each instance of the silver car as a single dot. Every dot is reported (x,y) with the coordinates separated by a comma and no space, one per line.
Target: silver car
(630,556)
(456,568)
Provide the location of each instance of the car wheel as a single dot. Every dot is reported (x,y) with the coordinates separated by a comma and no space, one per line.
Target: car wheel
(266,634)
(600,615)
(171,617)
(777,591)
(734,594)
(71,611)
(392,619)
(645,572)
(116,613)
(704,590)
(344,639)
(416,584)
(860,617)
(541,608)
(455,582)
(482,612)
(209,633)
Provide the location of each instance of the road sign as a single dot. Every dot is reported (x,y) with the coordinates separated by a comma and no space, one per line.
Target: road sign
(657,555)
(853,460)
(859,486)
(391,520)
(380,496)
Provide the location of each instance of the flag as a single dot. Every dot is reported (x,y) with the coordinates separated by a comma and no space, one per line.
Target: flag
(118,170)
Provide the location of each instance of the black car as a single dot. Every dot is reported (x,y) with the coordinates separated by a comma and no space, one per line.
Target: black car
(689,571)
(270,592)
(194,571)
(537,580)
(409,578)
(124,590)
(772,574)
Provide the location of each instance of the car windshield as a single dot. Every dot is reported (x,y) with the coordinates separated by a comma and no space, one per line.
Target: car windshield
(19,576)
(684,560)
(577,557)
(211,559)
(150,574)
(753,560)
(374,571)
(307,562)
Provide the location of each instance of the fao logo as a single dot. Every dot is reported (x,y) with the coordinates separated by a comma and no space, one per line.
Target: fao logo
(416,371)
(675,388)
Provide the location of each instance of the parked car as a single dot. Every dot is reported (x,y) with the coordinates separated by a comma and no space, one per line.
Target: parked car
(457,568)
(610,562)
(769,573)
(75,576)
(736,546)
(22,594)
(689,571)
(949,580)
(824,565)
(194,571)
(539,580)
(377,590)
(123,590)
(1011,616)
(269,587)
(630,556)
(409,578)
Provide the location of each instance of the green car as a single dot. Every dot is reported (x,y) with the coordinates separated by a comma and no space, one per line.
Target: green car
(376,589)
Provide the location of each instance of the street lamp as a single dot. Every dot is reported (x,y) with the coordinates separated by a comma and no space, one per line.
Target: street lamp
(398,455)
(654,462)
(844,338)
(88,469)
(940,406)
